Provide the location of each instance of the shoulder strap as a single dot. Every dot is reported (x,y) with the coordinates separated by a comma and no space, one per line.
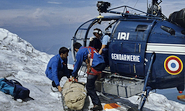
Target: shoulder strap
(15,82)
(92,51)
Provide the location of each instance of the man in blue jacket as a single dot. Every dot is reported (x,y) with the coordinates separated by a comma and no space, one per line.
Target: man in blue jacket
(95,64)
(57,68)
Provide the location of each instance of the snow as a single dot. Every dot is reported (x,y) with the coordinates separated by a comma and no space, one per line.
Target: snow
(21,61)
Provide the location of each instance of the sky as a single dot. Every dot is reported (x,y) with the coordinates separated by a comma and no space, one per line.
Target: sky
(50,24)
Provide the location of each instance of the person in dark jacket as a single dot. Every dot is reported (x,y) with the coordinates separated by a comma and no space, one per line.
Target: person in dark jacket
(103,37)
(57,68)
(94,69)
(96,43)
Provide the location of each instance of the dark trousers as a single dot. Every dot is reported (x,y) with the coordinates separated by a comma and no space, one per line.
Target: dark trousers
(60,75)
(90,86)
(105,56)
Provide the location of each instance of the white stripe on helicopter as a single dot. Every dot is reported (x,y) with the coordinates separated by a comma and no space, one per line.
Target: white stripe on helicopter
(166,48)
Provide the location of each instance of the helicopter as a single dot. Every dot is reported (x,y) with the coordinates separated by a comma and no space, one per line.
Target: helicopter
(146,50)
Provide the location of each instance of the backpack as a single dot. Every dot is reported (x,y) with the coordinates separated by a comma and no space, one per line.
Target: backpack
(14,88)
(95,57)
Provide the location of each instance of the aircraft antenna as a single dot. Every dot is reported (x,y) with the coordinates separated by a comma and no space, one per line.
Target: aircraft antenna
(147,4)
(135,5)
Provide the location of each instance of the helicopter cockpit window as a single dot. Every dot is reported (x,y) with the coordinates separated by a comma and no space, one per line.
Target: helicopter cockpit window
(84,33)
(81,32)
(105,26)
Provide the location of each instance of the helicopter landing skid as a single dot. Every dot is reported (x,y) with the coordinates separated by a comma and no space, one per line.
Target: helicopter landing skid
(120,103)
(146,89)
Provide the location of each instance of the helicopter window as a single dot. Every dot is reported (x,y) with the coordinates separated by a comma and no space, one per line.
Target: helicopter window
(81,34)
(141,28)
(105,26)
(168,29)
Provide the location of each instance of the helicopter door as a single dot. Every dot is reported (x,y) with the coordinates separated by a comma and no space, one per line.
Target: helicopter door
(127,47)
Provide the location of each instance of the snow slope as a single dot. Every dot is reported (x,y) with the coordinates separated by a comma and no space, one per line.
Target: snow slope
(19,60)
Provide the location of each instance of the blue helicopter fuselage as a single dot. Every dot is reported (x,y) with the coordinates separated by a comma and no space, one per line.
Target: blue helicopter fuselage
(134,40)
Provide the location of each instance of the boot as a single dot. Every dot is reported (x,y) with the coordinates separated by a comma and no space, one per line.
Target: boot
(97,107)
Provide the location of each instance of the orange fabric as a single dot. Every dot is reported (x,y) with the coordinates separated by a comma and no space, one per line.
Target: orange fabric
(181,97)
(111,106)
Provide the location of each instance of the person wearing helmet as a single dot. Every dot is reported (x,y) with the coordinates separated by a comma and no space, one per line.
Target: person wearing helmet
(105,38)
